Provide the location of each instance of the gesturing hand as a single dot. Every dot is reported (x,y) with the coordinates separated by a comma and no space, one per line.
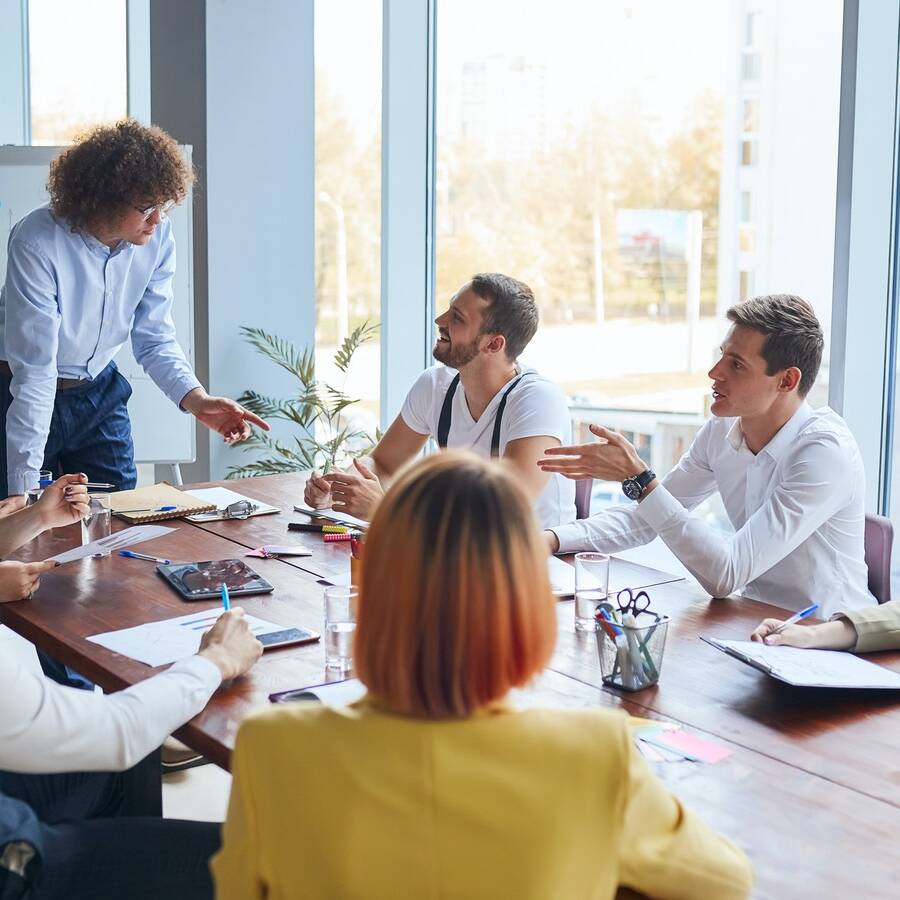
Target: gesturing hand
(220,414)
(611,458)
(357,493)
(19,580)
(317,492)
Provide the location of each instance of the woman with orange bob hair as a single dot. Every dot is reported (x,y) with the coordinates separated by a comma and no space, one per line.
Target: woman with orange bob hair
(432,785)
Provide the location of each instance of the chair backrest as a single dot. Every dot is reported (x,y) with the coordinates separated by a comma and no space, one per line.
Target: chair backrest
(878,543)
(583,488)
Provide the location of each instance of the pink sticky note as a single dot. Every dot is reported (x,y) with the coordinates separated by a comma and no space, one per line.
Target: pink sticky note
(704,750)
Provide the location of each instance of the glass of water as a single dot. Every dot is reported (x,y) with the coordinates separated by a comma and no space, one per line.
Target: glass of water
(98,521)
(33,494)
(340,623)
(591,588)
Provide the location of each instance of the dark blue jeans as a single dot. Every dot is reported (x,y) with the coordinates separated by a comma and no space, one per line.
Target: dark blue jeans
(90,431)
(103,837)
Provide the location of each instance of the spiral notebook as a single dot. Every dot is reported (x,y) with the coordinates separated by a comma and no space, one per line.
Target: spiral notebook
(143,504)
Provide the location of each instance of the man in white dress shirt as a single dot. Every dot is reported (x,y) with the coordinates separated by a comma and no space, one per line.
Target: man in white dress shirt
(80,791)
(791,477)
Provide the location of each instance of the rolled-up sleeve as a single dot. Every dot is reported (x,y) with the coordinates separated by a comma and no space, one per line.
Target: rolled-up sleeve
(622,527)
(32,337)
(817,481)
(153,332)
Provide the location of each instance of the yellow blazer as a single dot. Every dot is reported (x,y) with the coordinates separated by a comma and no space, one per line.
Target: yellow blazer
(528,804)
(877,627)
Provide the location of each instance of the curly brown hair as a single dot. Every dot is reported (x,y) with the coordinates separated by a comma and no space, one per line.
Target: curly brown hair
(113,167)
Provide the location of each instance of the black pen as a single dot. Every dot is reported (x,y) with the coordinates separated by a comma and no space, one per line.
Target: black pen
(305,526)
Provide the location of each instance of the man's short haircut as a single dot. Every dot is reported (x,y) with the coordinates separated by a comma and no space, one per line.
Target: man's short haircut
(793,334)
(114,167)
(512,311)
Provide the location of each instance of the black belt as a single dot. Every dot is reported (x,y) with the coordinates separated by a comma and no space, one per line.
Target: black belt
(62,384)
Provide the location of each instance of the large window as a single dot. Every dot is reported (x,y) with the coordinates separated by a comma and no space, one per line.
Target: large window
(642,166)
(78,68)
(348,194)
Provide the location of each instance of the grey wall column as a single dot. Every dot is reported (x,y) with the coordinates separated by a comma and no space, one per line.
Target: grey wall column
(407,197)
(15,121)
(236,80)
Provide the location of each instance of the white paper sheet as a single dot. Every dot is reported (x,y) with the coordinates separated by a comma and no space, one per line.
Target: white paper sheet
(812,668)
(222,497)
(562,577)
(127,537)
(342,580)
(333,515)
(160,643)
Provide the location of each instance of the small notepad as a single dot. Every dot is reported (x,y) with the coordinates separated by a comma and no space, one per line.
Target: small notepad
(140,504)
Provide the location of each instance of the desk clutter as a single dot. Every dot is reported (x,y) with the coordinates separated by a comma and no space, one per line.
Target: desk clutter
(155,503)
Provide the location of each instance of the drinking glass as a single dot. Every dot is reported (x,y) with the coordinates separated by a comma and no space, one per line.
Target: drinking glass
(340,623)
(98,521)
(591,588)
(33,494)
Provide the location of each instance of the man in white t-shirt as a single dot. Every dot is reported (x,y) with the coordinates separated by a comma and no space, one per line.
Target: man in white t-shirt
(480,398)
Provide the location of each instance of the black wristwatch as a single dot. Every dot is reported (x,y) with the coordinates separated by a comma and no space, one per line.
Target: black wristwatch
(633,487)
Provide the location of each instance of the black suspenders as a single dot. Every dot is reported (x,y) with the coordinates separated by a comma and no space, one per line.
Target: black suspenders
(447,414)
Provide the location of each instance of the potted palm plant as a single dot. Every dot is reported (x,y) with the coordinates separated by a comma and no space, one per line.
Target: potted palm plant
(326,437)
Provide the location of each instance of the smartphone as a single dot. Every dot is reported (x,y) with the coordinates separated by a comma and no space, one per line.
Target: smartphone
(286,638)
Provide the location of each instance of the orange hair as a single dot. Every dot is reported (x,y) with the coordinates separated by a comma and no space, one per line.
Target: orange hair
(455,603)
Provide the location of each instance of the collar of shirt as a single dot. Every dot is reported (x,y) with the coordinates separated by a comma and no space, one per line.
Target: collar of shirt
(97,246)
(783,437)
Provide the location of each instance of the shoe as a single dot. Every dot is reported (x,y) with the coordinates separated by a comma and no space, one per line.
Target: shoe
(176,757)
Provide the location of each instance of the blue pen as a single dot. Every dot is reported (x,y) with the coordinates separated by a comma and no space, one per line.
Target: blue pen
(794,619)
(225,601)
(132,555)
(148,509)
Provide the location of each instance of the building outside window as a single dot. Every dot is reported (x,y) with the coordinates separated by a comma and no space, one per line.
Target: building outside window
(642,194)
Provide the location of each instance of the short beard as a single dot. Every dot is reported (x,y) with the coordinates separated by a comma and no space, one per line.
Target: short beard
(456,357)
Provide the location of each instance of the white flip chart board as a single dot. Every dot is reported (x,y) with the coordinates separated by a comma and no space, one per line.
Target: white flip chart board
(162,433)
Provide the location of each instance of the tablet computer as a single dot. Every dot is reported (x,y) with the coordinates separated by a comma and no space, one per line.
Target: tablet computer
(203,580)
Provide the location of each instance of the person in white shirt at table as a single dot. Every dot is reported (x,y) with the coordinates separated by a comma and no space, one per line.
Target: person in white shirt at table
(480,398)
(80,790)
(791,478)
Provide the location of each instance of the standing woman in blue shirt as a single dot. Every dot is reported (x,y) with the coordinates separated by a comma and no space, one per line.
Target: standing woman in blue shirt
(86,272)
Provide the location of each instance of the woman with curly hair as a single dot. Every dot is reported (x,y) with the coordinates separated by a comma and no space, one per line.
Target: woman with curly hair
(86,272)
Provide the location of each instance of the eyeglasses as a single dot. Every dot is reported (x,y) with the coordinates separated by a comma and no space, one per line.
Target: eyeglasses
(161,208)
(242,509)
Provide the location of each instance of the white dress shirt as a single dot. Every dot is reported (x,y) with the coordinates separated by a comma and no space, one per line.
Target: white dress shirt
(46,727)
(797,507)
(68,305)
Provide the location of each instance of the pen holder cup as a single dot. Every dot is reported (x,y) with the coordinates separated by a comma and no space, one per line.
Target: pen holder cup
(633,660)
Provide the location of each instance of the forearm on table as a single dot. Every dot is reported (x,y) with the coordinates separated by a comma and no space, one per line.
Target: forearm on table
(19,528)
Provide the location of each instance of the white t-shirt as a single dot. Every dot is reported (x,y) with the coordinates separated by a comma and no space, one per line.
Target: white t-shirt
(535,407)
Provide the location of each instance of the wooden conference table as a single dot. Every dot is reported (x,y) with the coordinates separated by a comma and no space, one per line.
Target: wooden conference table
(811,791)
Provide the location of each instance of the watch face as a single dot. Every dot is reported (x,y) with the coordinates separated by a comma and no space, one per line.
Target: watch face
(631,488)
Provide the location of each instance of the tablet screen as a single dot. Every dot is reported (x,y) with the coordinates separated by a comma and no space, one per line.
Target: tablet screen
(204,579)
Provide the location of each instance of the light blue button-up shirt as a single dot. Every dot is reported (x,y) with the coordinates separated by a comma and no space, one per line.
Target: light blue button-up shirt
(68,305)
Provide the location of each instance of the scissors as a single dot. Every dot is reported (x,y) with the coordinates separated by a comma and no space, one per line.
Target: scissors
(636,603)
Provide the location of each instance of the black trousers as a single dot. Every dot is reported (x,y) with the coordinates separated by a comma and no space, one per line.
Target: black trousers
(104,837)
